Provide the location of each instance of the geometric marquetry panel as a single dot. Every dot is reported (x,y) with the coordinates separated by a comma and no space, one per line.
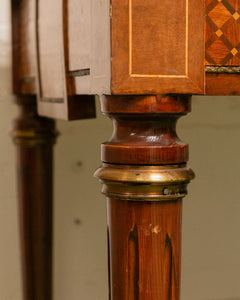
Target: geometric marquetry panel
(222,33)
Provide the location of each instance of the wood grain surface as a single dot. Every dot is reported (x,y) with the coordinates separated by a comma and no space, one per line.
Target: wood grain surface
(222,46)
(223,84)
(154,45)
(145,129)
(145,249)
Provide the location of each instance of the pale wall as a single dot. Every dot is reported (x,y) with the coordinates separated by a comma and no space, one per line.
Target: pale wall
(211,218)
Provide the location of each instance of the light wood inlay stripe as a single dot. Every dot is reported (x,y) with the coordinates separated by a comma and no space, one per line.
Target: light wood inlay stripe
(131,48)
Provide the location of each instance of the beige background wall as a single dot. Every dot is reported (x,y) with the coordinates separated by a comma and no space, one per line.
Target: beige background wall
(211,218)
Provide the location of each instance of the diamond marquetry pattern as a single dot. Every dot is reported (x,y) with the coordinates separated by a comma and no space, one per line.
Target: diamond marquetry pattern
(223,32)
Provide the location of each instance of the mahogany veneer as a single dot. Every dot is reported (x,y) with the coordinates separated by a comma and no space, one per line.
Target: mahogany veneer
(145,254)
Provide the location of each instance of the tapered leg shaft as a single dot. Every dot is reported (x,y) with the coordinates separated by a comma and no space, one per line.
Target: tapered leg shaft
(145,243)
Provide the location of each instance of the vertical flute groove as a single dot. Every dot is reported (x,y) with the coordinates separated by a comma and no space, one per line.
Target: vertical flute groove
(133,264)
(168,262)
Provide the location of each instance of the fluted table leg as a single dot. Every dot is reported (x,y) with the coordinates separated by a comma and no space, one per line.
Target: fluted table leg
(145,177)
(34,138)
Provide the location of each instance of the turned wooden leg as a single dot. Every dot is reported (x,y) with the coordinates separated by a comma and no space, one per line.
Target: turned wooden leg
(34,138)
(145,177)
